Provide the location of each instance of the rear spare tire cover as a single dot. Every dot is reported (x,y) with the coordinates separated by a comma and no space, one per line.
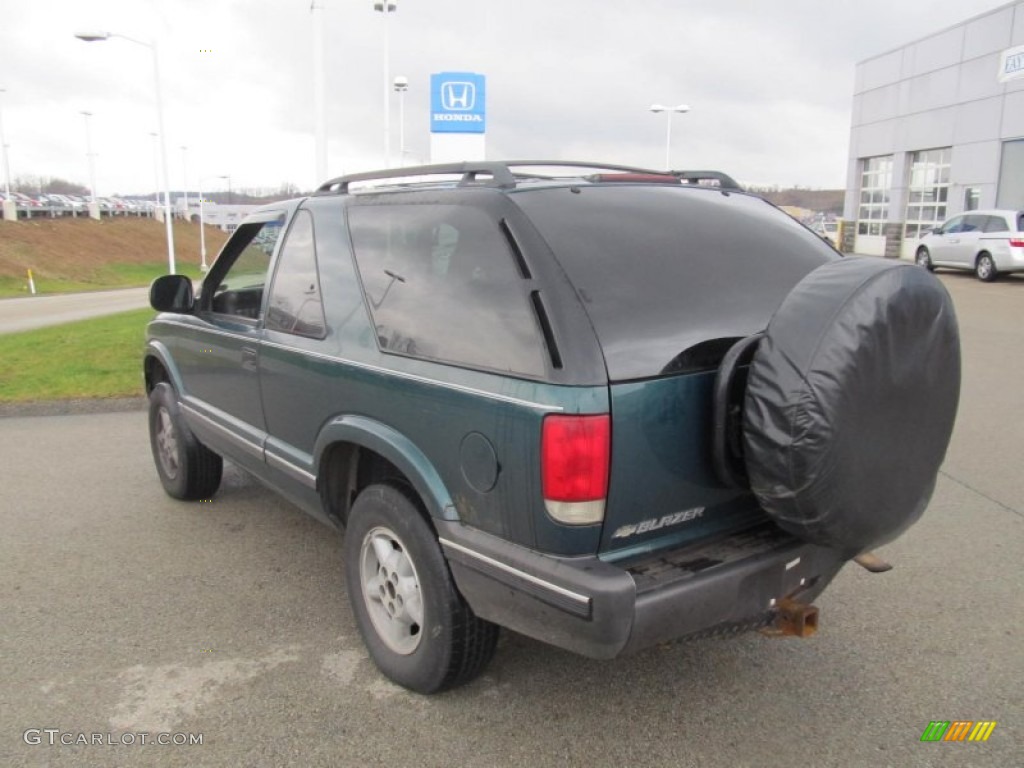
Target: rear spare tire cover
(851,400)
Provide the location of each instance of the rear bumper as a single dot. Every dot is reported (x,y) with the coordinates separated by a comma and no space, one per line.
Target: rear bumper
(603,610)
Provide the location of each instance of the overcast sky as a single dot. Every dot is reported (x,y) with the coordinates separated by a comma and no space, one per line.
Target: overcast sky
(769,82)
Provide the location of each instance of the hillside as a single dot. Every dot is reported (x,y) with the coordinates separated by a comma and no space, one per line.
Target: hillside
(822,200)
(82,254)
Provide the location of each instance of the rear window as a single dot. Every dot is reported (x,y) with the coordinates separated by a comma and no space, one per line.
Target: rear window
(670,276)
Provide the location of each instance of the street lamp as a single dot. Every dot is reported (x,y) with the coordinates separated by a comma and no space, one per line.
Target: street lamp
(92,37)
(156,171)
(10,210)
(94,207)
(202,222)
(319,99)
(401,86)
(387,8)
(668,128)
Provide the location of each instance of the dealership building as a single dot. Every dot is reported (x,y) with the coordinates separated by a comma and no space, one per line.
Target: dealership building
(937,129)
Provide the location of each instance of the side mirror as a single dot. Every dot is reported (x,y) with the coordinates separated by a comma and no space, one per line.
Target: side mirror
(172,293)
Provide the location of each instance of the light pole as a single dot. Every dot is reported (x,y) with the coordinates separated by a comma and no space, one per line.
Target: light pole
(10,208)
(401,86)
(156,171)
(202,222)
(316,9)
(94,207)
(92,37)
(668,128)
(184,179)
(387,8)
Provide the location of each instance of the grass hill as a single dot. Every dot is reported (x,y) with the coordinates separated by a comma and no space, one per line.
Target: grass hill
(79,254)
(822,200)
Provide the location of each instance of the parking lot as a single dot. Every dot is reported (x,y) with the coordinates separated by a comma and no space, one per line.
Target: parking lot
(126,612)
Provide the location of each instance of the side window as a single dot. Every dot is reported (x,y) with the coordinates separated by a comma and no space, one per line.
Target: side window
(442,283)
(996,224)
(240,273)
(974,223)
(295,304)
(953,226)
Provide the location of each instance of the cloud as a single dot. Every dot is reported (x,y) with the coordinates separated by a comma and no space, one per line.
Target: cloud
(769,84)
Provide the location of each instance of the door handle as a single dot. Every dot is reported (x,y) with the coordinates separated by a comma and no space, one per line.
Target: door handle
(249,358)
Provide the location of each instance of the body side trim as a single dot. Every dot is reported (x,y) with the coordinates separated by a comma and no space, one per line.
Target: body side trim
(562,591)
(296,472)
(253,449)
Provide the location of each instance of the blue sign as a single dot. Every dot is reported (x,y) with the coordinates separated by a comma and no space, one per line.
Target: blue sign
(458,103)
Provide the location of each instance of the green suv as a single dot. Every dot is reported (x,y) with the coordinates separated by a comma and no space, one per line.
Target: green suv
(604,407)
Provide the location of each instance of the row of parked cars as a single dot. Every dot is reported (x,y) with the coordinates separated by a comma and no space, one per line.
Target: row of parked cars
(69,205)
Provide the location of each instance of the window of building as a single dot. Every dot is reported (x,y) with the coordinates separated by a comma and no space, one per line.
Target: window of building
(1011,175)
(927,192)
(875,187)
(972,198)
(442,283)
(295,305)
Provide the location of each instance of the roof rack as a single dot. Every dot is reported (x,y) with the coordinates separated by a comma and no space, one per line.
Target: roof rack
(500,174)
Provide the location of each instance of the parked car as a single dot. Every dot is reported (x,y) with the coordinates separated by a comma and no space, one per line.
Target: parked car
(829,231)
(27,201)
(603,407)
(988,243)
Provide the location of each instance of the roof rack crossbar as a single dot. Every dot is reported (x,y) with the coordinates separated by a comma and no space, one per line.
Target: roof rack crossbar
(482,174)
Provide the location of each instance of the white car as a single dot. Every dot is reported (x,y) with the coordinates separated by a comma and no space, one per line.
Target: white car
(988,243)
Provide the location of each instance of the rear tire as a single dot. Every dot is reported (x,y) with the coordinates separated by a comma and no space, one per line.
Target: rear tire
(985,268)
(188,470)
(419,631)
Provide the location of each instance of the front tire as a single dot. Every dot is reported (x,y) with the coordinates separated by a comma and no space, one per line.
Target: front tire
(924,259)
(985,268)
(419,631)
(188,470)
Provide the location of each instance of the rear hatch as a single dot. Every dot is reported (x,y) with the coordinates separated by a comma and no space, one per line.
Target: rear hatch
(671,277)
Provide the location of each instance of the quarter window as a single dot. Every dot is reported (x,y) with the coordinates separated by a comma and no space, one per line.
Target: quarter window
(295,304)
(996,224)
(442,283)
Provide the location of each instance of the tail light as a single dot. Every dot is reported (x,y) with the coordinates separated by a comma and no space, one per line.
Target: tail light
(575,456)
(1017,242)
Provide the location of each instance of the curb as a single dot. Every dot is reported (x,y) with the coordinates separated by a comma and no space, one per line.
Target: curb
(72,407)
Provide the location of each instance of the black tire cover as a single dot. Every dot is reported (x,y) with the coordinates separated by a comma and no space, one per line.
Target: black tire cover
(851,400)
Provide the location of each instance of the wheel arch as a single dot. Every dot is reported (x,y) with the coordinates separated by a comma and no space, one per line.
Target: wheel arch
(158,365)
(354,451)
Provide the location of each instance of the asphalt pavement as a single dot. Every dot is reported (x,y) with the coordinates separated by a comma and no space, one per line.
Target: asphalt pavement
(29,312)
(125,612)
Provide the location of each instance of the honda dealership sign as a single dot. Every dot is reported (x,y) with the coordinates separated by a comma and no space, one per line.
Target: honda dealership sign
(1011,64)
(457,103)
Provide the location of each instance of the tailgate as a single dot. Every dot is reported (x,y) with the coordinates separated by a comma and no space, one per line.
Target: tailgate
(662,489)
